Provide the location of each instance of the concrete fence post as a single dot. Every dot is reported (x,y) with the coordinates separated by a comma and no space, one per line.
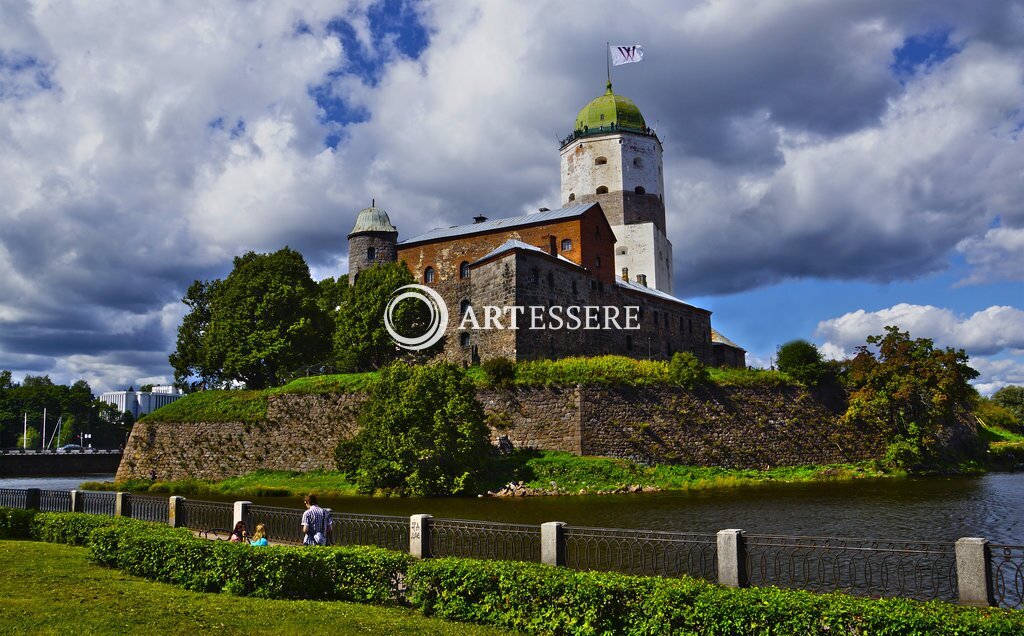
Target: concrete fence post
(76,501)
(242,514)
(732,559)
(122,504)
(419,536)
(552,543)
(176,512)
(973,575)
(31,499)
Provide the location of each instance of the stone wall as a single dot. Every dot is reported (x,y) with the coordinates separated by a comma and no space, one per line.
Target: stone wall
(715,426)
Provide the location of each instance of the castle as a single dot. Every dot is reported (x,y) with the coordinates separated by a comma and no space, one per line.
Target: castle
(607,246)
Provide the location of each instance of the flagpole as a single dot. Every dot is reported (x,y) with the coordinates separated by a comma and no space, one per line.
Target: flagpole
(608,59)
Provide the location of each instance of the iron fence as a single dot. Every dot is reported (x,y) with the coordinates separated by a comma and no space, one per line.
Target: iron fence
(923,570)
(13,498)
(98,503)
(1007,564)
(207,516)
(54,501)
(379,530)
(484,540)
(281,524)
(644,552)
(148,508)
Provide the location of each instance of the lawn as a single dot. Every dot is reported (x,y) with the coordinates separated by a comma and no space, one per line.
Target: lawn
(54,589)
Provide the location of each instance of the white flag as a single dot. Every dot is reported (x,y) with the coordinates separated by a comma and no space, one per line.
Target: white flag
(626,54)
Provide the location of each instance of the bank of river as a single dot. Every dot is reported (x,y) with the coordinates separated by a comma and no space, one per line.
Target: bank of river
(932,508)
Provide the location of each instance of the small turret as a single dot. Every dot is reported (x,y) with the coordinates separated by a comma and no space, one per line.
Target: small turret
(373,240)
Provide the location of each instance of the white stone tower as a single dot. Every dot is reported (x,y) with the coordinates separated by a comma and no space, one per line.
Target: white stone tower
(612,157)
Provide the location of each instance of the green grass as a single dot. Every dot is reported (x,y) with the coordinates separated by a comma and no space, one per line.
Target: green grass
(320,384)
(263,483)
(990,433)
(214,406)
(54,589)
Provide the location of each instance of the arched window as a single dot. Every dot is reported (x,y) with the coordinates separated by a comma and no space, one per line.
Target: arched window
(464,307)
(371,253)
(464,269)
(428,275)
(566,245)
(600,161)
(464,339)
(602,190)
(638,162)
(639,190)
(572,196)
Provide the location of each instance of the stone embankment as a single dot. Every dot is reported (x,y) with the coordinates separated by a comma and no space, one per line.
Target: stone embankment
(519,489)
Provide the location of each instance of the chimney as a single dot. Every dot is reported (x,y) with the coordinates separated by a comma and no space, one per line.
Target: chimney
(642,279)
(544,210)
(625,274)
(480,218)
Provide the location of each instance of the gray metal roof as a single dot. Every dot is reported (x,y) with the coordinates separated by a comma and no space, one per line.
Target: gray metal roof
(513,244)
(500,224)
(373,219)
(718,338)
(644,289)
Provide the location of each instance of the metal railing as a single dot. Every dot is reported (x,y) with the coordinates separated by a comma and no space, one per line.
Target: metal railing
(484,540)
(54,501)
(379,530)
(644,552)
(13,498)
(207,515)
(1007,569)
(98,503)
(866,567)
(148,508)
(283,525)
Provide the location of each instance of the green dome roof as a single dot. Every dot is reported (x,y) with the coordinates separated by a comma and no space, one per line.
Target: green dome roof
(373,219)
(610,109)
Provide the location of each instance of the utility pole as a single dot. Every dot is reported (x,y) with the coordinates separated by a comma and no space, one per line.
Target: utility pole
(24,433)
(43,441)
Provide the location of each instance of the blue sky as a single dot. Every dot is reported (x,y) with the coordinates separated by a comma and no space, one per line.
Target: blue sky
(830,167)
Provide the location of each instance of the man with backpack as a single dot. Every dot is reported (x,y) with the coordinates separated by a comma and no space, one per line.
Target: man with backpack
(316,523)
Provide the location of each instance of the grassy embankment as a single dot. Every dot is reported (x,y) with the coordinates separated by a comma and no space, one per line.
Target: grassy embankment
(51,588)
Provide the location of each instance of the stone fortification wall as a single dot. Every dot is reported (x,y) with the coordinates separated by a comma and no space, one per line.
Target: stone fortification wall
(740,427)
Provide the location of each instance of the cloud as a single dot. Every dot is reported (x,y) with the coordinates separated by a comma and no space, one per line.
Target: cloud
(997,255)
(142,148)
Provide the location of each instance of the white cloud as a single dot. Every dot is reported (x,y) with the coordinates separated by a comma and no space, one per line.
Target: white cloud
(997,255)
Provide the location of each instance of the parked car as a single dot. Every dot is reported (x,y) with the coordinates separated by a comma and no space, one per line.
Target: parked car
(69,448)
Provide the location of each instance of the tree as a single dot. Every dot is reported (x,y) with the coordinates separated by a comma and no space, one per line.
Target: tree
(686,370)
(802,361)
(29,438)
(911,388)
(1011,398)
(260,322)
(361,342)
(422,433)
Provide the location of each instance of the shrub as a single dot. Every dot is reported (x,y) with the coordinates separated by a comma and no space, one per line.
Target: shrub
(1011,397)
(499,371)
(802,361)
(16,523)
(71,528)
(904,452)
(994,414)
(687,371)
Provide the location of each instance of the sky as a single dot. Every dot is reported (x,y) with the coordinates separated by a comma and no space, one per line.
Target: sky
(831,167)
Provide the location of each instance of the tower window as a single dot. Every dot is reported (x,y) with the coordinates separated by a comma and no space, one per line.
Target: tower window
(371,253)
(639,190)
(572,196)
(464,307)
(464,339)
(464,269)
(566,245)
(621,251)
(600,161)
(602,190)
(428,275)
(638,162)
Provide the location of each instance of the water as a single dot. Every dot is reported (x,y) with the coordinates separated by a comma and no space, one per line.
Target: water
(934,508)
(61,482)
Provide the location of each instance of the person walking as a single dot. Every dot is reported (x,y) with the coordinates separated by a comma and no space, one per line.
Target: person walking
(316,524)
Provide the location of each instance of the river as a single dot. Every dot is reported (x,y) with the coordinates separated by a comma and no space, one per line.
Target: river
(933,508)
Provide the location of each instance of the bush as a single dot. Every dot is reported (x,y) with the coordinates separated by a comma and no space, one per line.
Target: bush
(506,595)
(499,371)
(71,528)
(904,452)
(1011,397)
(16,523)
(686,370)
(802,361)
(994,414)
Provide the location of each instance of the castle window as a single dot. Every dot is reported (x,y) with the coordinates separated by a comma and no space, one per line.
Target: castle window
(638,162)
(464,339)
(600,161)
(464,307)
(534,276)
(566,245)
(371,253)
(639,190)
(655,319)
(620,251)
(602,190)
(572,196)
(428,275)
(464,269)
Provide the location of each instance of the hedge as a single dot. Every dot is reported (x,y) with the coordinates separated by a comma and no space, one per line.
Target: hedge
(540,599)
(74,528)
(16,523)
